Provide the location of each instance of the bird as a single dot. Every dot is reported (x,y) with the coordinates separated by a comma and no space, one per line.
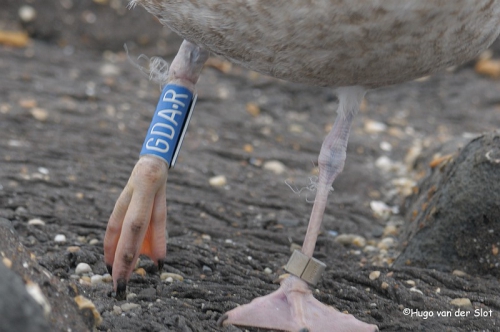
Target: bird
(350,46)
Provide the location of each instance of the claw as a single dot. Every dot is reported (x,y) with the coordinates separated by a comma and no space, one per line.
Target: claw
(121,289)
(110,269)
(161,263)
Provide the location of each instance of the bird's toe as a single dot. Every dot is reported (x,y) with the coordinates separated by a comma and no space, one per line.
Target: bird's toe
(221,320)
(161,263)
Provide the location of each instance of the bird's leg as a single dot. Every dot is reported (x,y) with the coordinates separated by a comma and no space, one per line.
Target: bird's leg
(331,160)
(292,307)
(137,224)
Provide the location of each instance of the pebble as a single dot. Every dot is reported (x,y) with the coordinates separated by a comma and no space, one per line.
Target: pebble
(131,296)
(174,276)
(60,238)
(218,181)
(268,270)
(16,39)
(385,164)
(206,237)
(93,242)
(85,280)
(109,69)
(374,275)
(107,277)
(382,210)
(331,233)
(89,17)
(414,289)
(73,249)
(384,285)
(36,293)
(404,185)
(27,13)
(7,262)
(390,230)
(354,239)
(96,279)
(413,153)
(129,306)
(248,148)
(257,162)
(488,67)
(370,248)
(206,269)
(397,132)
(169,280)
(410,282)
(140,271)
(253,109)
(39,114)
(223,92)
(83,268)
(296,128)
(21,210)
(36,222)
(461,302)
(459,273)
(374,127)
(275,166)
(27,103)
(117,310)
(386,243)
(385,146)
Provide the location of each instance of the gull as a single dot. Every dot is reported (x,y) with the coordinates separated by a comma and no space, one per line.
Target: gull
(348,45)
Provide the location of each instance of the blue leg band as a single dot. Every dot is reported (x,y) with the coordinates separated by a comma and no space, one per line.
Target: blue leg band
(169,124)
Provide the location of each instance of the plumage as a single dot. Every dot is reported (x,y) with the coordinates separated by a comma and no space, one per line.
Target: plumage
(336,42)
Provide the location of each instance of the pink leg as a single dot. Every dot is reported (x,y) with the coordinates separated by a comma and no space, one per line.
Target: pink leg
(138,222)
(292,307)
(331,162)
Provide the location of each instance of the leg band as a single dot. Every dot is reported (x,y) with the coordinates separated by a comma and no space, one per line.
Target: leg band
(169,124)
(307,269)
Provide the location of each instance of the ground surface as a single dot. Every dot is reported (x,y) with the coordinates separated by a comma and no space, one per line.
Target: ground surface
(74,112)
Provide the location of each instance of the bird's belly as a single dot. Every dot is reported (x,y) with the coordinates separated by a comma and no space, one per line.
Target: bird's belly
(337,42)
